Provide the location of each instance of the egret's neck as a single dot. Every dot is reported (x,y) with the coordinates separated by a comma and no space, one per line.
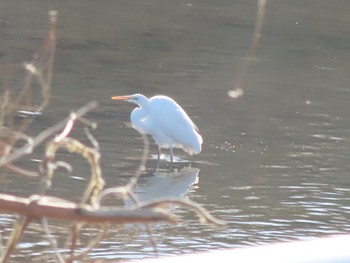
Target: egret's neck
(143,108)
(139,114)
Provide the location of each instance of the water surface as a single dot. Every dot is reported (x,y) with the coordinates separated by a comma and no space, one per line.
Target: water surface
(275,162)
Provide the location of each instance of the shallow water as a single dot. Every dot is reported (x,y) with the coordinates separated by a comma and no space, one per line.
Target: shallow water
(275,162)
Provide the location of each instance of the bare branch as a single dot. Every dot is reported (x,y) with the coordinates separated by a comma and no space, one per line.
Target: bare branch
(96,183)
(52,240)
(21,171)
(37,206)
(19,228)
(27,148)
(38,71)
(93,244)
(204,216)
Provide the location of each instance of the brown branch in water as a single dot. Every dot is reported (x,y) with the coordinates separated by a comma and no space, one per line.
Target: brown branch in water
(28,148)
(9,104)
(92,244)
(9,137)
(152,240)
(92,155)
(37,206)
(204,216)
(48,167)
(21,171)
(42,207)
(51,46)
(96,183)
(41,66)
(52,240)
(19,228)
(4,107)
(73,238)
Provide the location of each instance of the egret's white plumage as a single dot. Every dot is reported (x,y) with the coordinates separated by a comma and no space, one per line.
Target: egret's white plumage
(165,120)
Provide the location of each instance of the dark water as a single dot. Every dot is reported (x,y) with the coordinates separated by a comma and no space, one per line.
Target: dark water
(275,162)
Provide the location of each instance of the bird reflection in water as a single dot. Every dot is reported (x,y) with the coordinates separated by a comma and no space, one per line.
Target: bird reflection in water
(162,184)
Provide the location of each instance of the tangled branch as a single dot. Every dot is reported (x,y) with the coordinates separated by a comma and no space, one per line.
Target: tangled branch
(41,207)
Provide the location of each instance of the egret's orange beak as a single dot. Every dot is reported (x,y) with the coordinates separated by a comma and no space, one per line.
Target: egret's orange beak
(121,97)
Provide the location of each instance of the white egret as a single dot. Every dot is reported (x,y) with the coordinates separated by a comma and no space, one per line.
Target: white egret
(165,120)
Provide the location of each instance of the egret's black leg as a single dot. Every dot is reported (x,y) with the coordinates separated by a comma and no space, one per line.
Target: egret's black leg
(171,155)
(171,159)
(158,154)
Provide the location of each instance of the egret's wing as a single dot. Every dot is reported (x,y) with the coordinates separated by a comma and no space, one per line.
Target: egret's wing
(174,122)
(170,115)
